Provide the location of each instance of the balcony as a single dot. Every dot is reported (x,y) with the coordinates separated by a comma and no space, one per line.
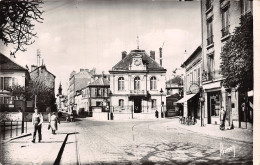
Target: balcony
(138,92)
(225,31)
(210,40)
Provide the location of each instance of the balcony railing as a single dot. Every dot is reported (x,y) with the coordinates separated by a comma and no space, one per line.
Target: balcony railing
(210,40)
(225,31)
(138,92)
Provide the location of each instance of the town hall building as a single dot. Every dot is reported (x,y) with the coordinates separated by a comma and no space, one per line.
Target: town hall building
(137,85)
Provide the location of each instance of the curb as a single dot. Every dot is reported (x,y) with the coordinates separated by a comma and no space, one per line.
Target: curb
(58,158)
(17,137)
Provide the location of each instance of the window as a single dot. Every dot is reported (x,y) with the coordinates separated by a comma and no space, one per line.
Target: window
(208,4)
(98,103)
(246,6)
(153,83)
(199,76)
(7,83)
(99,92)
(153,103)
(137,83)
(1,100)
(121,103)
(211,68)
(1,83)
(225,21)
(121,85)
(209,32)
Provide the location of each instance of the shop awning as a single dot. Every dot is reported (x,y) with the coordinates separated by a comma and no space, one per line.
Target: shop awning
(186,98)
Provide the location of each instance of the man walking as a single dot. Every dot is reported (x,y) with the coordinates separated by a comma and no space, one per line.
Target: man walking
(37,120)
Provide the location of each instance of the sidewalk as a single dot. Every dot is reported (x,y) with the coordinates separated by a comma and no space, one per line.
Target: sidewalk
(237,134)
(23,151)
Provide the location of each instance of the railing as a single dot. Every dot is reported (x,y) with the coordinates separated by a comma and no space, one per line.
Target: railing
(137,92)
(144,109)
(187,120)
(12,128)
(225,31)
(210,40)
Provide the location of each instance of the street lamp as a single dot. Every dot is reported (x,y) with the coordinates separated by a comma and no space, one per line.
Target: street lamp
(110,108)
(161,91)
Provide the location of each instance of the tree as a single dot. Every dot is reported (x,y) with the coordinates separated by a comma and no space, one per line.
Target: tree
(17,18)
(45,95)
(237,57)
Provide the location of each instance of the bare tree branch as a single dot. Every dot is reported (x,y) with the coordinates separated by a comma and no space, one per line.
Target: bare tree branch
(17,18)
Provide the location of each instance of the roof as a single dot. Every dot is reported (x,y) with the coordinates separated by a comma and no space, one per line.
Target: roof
(8,64)
(43,67)
(100,82)
(151,63)
(192,56)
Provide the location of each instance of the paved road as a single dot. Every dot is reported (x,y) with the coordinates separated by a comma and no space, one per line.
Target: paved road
(146,142)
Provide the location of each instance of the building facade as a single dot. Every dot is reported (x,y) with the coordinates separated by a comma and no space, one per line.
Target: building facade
(192,84)
(77,81)
(219,19)
(11,76)
(41,74)
(174,88)
(137,82)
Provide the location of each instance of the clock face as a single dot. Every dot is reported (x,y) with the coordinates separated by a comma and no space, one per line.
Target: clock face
(137,62)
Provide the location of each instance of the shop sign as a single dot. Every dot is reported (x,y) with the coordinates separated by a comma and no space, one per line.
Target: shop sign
(194,88)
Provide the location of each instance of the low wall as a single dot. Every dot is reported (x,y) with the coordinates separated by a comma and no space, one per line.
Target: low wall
(10,116)
(100,115)
(144,115)
(122,116)
(17,116)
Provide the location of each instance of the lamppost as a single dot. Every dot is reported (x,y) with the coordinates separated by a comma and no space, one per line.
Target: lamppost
(161,92)
(110,108)
(202,99)
(24,105)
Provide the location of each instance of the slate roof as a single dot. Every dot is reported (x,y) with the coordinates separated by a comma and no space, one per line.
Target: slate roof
(8,64)
(100,82)
(151,63)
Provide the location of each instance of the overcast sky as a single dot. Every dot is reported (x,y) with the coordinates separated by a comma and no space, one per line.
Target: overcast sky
(92,34)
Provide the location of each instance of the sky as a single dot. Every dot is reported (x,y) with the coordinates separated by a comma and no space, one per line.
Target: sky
(92,34)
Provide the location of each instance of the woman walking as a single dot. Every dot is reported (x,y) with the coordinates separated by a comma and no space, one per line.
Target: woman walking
(54,122)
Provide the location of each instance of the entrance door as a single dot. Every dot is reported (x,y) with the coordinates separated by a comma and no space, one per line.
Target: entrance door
(137,105)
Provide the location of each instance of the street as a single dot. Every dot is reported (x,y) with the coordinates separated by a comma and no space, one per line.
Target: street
(149,142)
(161,141)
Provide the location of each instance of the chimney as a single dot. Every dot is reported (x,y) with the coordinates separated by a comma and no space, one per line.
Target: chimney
(152,54)
(33,67)
(160,50)
(185,55)
(12,56)
(124,53)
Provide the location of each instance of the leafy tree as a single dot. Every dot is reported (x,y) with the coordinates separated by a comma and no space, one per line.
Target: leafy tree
(45,95)
(17,18)
(237,57)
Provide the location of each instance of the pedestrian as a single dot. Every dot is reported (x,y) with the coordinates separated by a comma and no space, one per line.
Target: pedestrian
(54,122)
(37,120)
(156,113)
(222,118)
